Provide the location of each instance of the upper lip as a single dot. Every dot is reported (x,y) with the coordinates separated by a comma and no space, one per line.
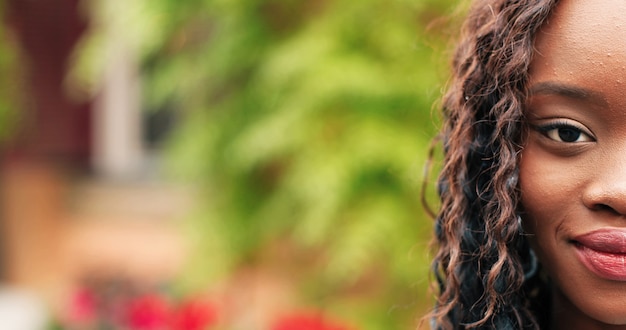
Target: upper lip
(604,240)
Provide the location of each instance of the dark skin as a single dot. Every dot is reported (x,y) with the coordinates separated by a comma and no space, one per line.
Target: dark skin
(573,164)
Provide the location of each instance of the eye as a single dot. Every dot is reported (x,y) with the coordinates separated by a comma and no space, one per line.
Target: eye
(566,132)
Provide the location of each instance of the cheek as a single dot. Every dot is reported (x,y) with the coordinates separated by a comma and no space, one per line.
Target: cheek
(540,192)
(547,196)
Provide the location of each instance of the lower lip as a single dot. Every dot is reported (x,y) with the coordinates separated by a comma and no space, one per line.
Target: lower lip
(611,266)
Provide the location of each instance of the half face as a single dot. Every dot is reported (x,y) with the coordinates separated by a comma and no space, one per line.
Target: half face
(573,165)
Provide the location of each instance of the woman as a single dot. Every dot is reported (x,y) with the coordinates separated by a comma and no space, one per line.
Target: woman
(532,227)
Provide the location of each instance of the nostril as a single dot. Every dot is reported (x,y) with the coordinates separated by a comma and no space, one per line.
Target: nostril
(604,207)
(606,197)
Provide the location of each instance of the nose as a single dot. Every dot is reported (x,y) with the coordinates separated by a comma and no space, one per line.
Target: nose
(607,190)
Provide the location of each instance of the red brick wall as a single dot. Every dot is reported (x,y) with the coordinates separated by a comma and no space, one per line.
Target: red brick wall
(55,127)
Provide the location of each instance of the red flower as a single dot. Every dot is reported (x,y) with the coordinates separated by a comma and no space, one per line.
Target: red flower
(83,307)
(148,312)
(307,321)
(194,314)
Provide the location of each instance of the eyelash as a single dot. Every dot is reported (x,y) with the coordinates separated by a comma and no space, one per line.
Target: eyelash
(551,131)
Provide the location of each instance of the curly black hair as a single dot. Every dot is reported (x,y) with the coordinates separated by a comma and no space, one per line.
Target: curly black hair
(482,253)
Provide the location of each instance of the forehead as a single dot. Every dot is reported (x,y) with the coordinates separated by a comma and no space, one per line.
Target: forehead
(587,23)
(582,41)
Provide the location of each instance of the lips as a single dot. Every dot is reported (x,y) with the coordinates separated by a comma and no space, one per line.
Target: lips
(604,253)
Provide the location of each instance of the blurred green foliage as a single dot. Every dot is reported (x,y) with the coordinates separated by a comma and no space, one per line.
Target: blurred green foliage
(307,125)
(10,81)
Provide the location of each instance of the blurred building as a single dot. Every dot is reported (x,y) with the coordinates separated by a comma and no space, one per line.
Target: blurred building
(80,194)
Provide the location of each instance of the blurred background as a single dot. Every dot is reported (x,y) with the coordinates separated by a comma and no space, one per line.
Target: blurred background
(215,164)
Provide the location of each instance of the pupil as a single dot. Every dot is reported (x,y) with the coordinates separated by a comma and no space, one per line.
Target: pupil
(569,134)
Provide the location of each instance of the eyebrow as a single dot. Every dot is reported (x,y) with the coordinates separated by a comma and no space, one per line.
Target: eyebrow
(568,91)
